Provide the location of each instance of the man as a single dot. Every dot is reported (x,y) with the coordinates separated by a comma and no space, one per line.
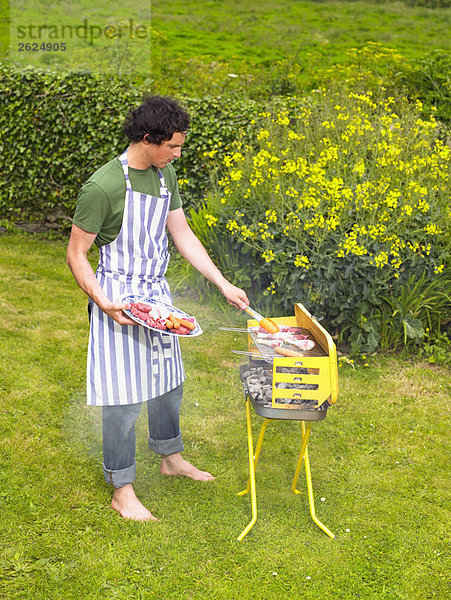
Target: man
(125,208)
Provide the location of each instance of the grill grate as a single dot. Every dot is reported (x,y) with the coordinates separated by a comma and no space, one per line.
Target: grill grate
(308,381)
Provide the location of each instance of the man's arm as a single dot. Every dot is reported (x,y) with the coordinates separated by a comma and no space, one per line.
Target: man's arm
(79,243)
(190,247)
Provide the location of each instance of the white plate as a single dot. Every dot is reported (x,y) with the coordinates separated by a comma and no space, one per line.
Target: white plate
(130,298)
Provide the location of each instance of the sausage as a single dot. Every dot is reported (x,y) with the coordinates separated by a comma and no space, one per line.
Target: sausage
(183,330)
(175,321)
(285,352)
(187,324)
(269,325)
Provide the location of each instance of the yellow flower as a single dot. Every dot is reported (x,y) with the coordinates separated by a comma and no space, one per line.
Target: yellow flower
(282,119)
(246,232)
(232,226)
(301,261)
(380,260)
(359,168)
(262,134)
(291,192)
(211,220)
(268,255)
(271,216)
(289,167)
(271,289)
(259,160)
(432,229)
(292,135)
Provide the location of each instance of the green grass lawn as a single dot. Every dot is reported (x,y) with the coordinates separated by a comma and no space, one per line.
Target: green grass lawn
(244,34)
(379,466)
(269,30)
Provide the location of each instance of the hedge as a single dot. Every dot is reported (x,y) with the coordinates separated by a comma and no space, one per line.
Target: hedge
(58,128)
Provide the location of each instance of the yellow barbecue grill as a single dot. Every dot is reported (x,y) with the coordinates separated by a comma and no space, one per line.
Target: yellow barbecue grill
(281,387)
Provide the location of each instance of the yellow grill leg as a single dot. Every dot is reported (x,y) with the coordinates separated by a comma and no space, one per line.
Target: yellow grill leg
(304,455)
(305,436)
(257,453)
(250,445)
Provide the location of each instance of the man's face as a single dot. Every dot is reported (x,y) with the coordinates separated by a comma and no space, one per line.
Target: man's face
(161,155)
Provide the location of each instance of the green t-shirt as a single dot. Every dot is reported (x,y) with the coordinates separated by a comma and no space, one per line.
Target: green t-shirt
(100,204)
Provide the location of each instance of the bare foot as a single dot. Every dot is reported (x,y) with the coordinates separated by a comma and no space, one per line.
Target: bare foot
(174,464)
(128,506)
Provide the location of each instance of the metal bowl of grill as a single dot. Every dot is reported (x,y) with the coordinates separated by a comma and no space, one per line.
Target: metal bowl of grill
(257,381)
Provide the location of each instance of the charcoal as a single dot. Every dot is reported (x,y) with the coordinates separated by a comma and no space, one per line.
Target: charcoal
(258,381)
(299,371)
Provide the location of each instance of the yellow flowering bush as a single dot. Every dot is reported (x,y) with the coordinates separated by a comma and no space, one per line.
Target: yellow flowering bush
(335,200)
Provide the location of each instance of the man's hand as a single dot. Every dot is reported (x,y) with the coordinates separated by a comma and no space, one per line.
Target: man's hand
(79,244)
(114,311)
(234,295)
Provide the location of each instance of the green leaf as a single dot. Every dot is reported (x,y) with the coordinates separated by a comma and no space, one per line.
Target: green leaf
(413,328)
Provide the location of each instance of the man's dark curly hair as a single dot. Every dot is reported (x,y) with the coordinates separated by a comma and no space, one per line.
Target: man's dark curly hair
(159,117)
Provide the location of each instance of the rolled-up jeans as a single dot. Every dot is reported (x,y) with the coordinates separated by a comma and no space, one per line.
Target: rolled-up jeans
(119,466)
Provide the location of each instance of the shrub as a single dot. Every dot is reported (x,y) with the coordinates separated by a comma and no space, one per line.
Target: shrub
(375,67)
(429,81)
(416,310)
(337,200)
(429,3)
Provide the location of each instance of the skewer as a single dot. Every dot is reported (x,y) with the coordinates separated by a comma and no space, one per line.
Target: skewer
(265,357)
(238,329)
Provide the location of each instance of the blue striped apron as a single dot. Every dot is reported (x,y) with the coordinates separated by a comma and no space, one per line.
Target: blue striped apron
(130,364)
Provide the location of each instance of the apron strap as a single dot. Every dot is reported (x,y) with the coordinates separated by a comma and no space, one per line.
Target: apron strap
(124,162)
(164,192)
